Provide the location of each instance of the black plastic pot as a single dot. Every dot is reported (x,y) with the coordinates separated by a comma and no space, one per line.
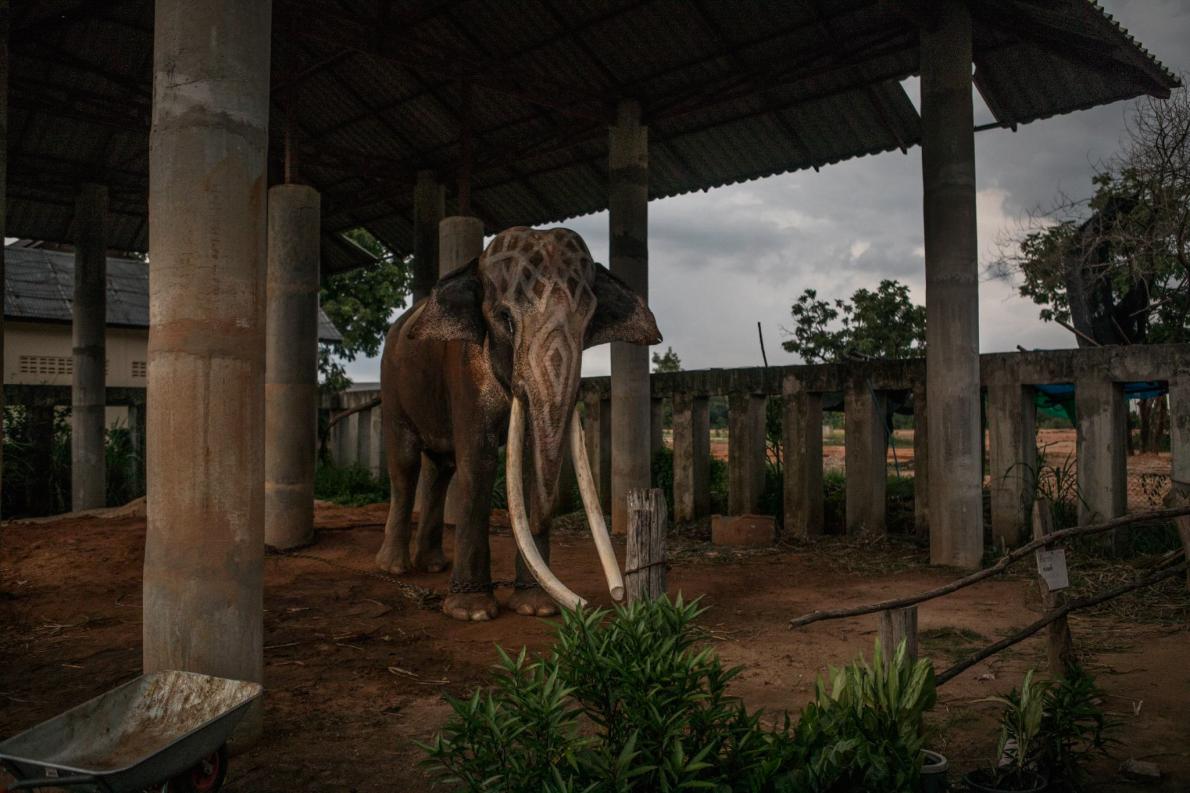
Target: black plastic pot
(933,772)
(983,780)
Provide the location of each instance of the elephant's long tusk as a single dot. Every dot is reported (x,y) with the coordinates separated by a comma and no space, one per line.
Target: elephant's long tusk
(586,487)
(520,522)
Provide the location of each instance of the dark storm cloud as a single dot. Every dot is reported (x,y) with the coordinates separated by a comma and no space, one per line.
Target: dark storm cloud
(721,261)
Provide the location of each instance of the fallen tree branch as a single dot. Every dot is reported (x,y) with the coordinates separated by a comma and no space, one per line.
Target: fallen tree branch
(1005,562)
(1056,614)
(335,419)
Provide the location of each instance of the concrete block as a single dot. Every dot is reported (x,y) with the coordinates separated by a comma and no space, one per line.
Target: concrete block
(748,530)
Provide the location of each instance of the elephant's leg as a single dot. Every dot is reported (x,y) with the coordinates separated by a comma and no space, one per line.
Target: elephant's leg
(471,595)
(403,452)
(528,598)
(427,543)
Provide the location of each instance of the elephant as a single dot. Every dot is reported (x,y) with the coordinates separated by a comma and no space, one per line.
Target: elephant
(491,356)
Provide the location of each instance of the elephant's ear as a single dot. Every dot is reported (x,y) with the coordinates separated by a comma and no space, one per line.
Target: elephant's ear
(620,314)
(454,309)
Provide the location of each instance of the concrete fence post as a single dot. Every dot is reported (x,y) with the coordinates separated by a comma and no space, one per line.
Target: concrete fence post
(802,428)
(1012,460)
(745,452)
(865,456)
(692,457)
(1102,451)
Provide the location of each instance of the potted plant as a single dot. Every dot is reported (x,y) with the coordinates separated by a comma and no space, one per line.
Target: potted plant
(1074,728)
(1020,744)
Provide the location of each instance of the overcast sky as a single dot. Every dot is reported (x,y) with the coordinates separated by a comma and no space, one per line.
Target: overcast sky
(721,261)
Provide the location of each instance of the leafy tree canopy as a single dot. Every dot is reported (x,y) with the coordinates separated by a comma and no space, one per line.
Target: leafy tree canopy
(880,324)
(1114,268)
(667,361)
(362,304)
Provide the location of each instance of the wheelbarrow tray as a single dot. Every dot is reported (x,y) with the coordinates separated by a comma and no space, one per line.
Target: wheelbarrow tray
(138,735)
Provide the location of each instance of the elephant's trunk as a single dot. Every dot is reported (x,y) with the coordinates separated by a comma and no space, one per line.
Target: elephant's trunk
(520,520)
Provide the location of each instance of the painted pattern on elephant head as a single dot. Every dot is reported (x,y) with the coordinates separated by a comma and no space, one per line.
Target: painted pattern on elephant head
(539,298)
(543,280)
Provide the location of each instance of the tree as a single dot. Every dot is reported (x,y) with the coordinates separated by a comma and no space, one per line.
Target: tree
(361,303)
(880,324)
(1114,268)
(667,361)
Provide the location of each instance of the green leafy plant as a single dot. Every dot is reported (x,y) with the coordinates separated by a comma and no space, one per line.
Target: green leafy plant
(1019,749)
(627,701)
(1074,729)
(863,731)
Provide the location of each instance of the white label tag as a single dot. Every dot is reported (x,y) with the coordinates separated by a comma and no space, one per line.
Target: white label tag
(1051,566)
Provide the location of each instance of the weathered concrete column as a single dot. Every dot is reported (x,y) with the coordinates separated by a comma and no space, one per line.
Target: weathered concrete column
(952,288)
(88,394)
(656,426)
(428,208)
(460,239)
(1102,449)
(692,457)
(291,365)
(745,452)
(628,219)
(1012,461)
(4,25)
(375,460)
(598,431)
(865,457)
(1179,429)
(204,546)
(349,438)
(802,428)
(921,461)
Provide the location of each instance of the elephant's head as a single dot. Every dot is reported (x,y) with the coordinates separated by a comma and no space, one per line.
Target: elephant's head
(534,300)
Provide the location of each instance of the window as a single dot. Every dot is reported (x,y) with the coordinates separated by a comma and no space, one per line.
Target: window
(139,369)
(46,364)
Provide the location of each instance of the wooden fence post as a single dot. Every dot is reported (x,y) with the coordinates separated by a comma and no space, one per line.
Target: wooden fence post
(644,574)
(897,625)
(1060,645)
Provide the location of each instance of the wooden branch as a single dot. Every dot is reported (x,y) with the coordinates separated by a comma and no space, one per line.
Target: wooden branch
(371,403)
(1072,605)
(998,567)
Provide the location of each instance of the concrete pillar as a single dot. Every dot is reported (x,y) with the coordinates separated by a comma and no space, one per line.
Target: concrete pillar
(656,426)
(952,288)
(802,427)
(4,23)
(1012,461)
(598,429)
(204,545)
(921,461)
(1179,429)
(88,394)
(460,239)
(349,438)
(1102,449)
(628,220)
(39,493)
(745,452)
(865,457)
(375,460)
(692,457)
(291,365)
(428,209)
(136,439)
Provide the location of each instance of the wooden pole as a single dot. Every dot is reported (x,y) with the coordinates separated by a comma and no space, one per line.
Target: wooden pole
(1005,562)
(897,625)
(1060,646)
(645,561)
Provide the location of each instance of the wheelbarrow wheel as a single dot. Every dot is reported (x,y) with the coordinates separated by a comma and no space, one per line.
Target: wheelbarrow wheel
(205,777)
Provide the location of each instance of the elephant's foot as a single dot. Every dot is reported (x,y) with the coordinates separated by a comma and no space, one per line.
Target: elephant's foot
(431,560)
(471,606)
(532,602)
(393,559)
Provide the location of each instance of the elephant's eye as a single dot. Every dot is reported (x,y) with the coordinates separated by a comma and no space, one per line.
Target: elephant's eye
(506,317)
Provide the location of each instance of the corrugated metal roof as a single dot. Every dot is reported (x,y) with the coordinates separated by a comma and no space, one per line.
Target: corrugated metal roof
(39,285)
(730,91)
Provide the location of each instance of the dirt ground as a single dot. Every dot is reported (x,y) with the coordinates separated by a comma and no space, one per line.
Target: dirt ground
(355,670)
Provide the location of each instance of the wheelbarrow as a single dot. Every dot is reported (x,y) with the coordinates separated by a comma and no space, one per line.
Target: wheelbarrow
(164,731)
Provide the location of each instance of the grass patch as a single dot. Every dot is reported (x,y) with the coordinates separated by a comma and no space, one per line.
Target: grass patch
(950,642)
